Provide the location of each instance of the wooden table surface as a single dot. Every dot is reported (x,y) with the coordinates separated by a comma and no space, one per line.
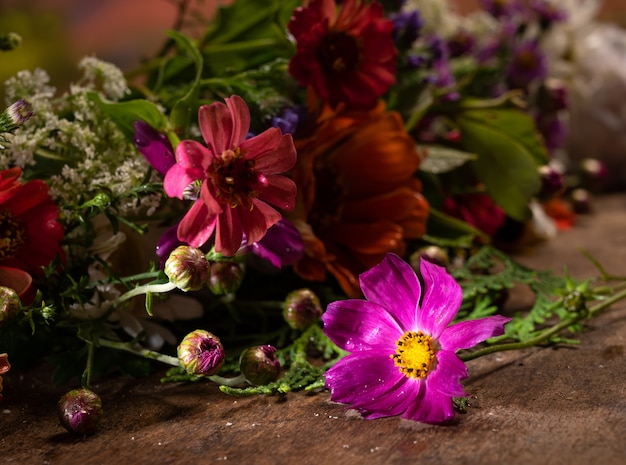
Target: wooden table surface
(542,406)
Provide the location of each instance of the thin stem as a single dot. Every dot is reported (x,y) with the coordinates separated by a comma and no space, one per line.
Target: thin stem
(151,354)
(231,382)
(89,367)
(146,288)
(547,333)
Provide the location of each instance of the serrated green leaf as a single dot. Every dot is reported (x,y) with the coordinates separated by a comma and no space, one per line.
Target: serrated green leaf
(443,159)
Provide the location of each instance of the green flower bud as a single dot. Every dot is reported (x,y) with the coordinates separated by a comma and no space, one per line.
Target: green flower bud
(259,365)
(225,277)
(301,309)
(9,305)
(80,411)
(187,268)
(432,253)
(575,302)
(10,41)
(201,353)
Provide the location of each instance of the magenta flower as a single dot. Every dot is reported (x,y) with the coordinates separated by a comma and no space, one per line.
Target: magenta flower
(232,180)
(403,353)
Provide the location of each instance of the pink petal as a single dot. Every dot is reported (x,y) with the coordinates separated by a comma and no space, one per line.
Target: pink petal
(393,285)
(207,196)
(430,407)
(272,152)
(467,334)
(442,299)
(197,225)
(257,220)
(240,115)
(360,379)
(229,233)
(216,126)
(358,325)
(279,191)
(447,375)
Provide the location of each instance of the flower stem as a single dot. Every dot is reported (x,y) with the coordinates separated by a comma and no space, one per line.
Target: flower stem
(146,288)
(546,333)
(231,382)
(151,354)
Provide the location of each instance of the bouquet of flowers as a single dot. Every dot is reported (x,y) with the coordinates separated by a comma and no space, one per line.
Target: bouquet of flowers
(321,187)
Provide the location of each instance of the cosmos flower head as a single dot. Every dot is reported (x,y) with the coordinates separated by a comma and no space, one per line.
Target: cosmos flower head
(345,53)
(402,352)
(232,180)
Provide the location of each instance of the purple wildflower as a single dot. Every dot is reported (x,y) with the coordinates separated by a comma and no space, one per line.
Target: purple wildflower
(528,64)
(282,245)
(406,27)
(167,243)
(403,353)
(154,146)
(546,13)
(288,120)
(502,9)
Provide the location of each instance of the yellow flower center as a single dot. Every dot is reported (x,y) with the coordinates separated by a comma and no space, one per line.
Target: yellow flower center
(414,354)
(12,235)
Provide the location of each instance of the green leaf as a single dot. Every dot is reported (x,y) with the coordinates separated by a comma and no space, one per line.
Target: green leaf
(446,227)
(443,159)
(188,104)
(124,114)
(509,153)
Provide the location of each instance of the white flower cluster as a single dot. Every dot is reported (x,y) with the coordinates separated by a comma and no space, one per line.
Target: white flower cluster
(72,143)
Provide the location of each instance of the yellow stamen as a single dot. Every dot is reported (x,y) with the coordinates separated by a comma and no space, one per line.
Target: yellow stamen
(414,354)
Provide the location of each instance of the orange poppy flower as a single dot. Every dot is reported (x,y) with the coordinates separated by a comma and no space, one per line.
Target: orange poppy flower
(357,196)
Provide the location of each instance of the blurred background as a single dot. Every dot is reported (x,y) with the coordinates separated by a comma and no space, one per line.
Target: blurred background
(57,33)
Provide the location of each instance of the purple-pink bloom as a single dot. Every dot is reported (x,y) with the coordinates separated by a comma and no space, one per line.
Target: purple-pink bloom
(232,179)
(282,245)
(402,357)
(154,146)
(528,64)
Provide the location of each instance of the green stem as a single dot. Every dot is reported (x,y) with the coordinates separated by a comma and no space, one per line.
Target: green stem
(230,382)
(146,288)
(151,354)
(546,333)
(89,368)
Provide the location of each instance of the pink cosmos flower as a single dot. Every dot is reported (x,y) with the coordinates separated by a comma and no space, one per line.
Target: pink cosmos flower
(403,353)
(232,179)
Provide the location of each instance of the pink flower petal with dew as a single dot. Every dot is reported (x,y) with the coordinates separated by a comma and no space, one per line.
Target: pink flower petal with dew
(447,375)
(197,225)
(257,220)
(467,334)
(358,325)
(272,152)
(393,285)
(229,233)
(399,398)
(442,299)
(359,379)
(279,191)
(240,115)
(430,407)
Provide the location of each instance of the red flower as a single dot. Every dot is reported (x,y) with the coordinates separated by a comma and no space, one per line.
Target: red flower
(232,179)
(357,198)
(477,209)
(30,233)
(347,54)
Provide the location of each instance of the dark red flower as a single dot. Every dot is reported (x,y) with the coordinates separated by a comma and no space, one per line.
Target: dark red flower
(345,54)
(477,209)
(30,232)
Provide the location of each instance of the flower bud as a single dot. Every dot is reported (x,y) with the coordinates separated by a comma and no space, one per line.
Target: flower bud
(552,182)
(9,305)
(432,253)
(225,277)
(259,365)
(581,200)
(593,175)
(201,353)
(16,115)
(80,411)
(10,41)
(301,309)
(187,268)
